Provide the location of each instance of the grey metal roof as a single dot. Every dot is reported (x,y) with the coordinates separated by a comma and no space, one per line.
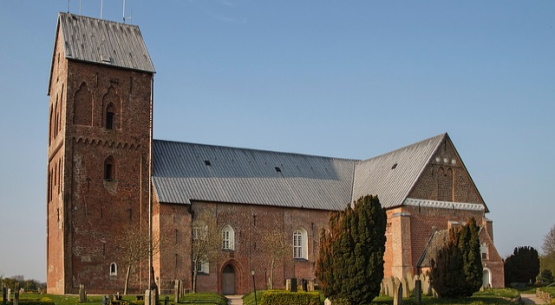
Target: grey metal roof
(104,42)
(391,176)
(185,172)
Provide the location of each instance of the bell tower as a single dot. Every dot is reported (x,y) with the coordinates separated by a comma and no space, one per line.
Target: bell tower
(99,142)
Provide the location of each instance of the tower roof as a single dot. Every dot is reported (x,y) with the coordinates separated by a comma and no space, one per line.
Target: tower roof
(104,42)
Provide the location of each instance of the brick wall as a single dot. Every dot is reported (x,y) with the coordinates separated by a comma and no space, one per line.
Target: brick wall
(88,213)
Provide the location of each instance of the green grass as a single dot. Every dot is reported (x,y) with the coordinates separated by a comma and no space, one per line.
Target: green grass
(203,298)
(550,290)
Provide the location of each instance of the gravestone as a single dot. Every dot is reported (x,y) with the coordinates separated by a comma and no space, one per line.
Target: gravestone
(311,285)
(105,300)
(9,294)
(327,301)
(176,291)
(4,297)
(418,291)
(82,295)
(16,295)
(398,293)
(405,288)
(304,285)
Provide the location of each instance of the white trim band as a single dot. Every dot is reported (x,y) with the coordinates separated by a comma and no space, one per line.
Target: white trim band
(444,204)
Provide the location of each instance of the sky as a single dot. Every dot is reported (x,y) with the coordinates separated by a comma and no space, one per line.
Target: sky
(349,79)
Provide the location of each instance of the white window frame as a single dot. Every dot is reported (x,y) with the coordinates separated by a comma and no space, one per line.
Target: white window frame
(228,238)
(203,267)
(113,269)
(484,250)
(300,244)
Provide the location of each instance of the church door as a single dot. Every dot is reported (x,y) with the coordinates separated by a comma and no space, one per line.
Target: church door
(486,280)
(228,280)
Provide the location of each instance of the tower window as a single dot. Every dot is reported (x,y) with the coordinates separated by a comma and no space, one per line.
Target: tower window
(109,120)
(113,269)
(110,116)
(109,169)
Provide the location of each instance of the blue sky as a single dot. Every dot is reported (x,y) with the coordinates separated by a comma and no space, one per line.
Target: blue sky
(350,79)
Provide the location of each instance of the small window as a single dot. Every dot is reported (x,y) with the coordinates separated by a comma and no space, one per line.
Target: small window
(203,267)
(484,250)
(110,116)
(113,269)
(228,238)
(109,169)
(300,244)
(200,231)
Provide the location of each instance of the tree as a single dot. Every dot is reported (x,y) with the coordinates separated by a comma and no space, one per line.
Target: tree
(457,267)
(522,266)
(133,245)
(447,274)
(275,248)
(206,244)
(350,264)
(469,244)
(547,260)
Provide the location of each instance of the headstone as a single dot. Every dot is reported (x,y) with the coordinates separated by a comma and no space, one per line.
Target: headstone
(418,291)
(82,296)
(9,294)
(288,284)
(105,300)
(293,285)
(311,285)
(304,285)
(426,287)
(176,291)
(405,288)
(327,301)
(16,296)
(4,297)
(398,295)
(167,300)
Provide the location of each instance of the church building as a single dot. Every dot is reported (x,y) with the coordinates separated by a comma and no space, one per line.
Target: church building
(111,186)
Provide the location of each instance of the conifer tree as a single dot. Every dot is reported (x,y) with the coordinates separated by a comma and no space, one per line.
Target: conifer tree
(350,265)
(457,267)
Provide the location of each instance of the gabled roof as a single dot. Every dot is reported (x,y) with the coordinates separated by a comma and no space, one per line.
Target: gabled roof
(185,172)
(104,42)
(391,176)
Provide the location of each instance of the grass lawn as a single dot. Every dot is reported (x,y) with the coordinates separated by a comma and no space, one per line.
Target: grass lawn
(190,299)
(490,296)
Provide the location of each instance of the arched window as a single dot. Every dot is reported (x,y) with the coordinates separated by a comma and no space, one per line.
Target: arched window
(109,169)
(300,244)
(113,269)
(110,116)
(228,238)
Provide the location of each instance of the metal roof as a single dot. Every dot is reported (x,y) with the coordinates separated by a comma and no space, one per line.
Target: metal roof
(391,176)
(185,172)
(104,42)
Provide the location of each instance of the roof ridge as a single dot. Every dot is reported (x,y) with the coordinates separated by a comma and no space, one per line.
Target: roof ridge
(257,150)
(405,147)
(98,19)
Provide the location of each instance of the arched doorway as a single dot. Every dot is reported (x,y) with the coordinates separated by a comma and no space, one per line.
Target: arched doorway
(228,280)
(486,278)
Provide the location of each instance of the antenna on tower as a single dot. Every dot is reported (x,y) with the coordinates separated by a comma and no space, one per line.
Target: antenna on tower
(123,11)
(68,5)
(101,2)
(80,6)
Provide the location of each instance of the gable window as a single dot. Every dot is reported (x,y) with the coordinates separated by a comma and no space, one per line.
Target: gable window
(109,169)
(484,251)
(113,269)
(228,238)
(300,244)
(200,230)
